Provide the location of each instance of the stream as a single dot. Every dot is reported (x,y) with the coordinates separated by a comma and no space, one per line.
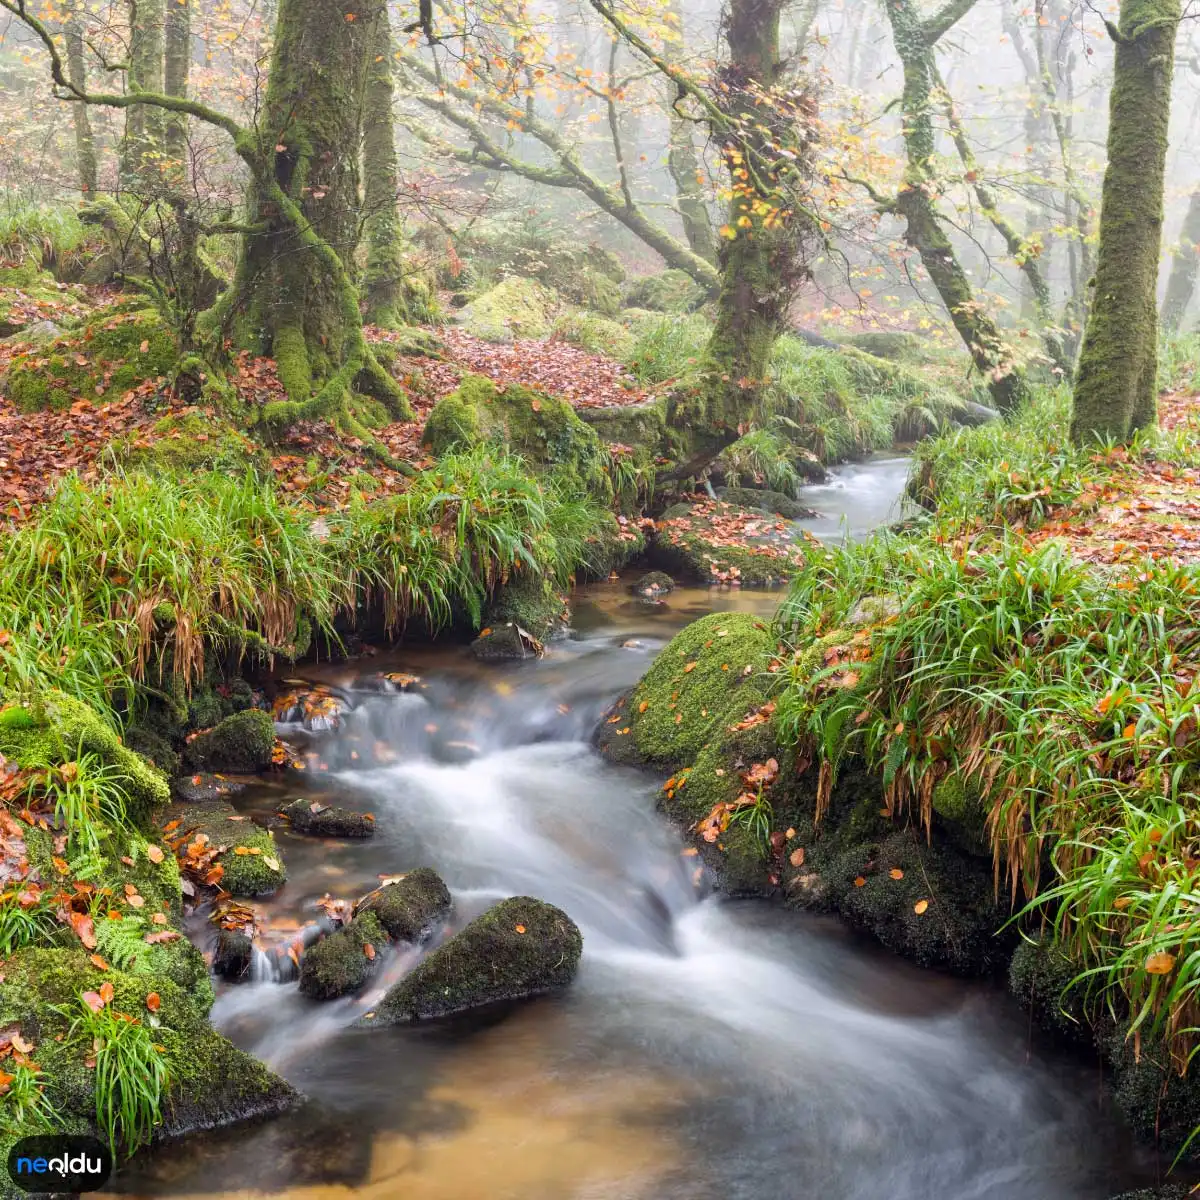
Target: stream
(708,1050)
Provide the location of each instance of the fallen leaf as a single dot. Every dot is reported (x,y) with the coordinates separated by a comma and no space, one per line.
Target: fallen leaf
(85,929)
(796,858)
(920,907)
(99,962)
(1161,963)
(859,881)
(153,1002)
(154,853)
(519,928)
(93,1001)
(690,668)
(368,950)
(106,992)
(896,873)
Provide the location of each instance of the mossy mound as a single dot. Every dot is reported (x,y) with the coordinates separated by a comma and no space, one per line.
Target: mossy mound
(893,344)
(642,426)
(713,542)
(29,296)
(766,500)
(111,354)
(1160,1106)
(180,443)
(209,1081)
(59,729)
(411,908)
(543,430)
(519,948)
(1040,977)
(653,585)
(240,744)
(707,678)
(595,334)
(534,605)
(671,291)
(344,961)
(328,820)
(515,308)
(249,859)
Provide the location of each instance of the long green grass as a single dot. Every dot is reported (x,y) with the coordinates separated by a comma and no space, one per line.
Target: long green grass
(43,233)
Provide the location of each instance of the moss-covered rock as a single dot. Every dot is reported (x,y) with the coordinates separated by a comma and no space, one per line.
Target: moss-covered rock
(232,954)
(502,643)
(519,948)
(1040,978)
(29,296)
(1160,1106)
(155,748)
(57,729)
(209,1081)
(653,585)
(706,678)
(893,344)
(328,820)
(411,908)
(240,744)
(595,334)
(713,542)
(112,354)
(515,308)
(534,605)
(767,501)
(180,443)
(248,857)
(543,430)
(344,961)
(642,426)
(671,291)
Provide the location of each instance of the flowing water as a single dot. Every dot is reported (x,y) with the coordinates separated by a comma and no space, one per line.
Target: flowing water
(706,1051)
(857,498)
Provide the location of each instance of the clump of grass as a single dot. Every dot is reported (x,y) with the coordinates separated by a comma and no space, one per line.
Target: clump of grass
(130,1075)
(1061,697)
(1179,361)
(668,348)
(23,923)
(44,233)
(24,1106)
(763,458)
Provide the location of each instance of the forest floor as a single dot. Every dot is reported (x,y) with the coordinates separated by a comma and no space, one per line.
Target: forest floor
(38,448)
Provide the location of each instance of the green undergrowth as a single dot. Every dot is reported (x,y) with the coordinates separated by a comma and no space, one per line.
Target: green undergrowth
(1006,694)
(133,583)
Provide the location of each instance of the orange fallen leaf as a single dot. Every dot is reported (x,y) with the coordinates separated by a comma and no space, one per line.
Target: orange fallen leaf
(896,873)
(1161,963)
(153,1001)
(687,670)
(796,858)
(154,853)
(519,928)
(920,907)
(99,962)
(859,881)
(93,1001)
(368,950)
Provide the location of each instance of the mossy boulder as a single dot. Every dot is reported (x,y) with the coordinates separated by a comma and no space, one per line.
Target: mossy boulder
(502,643)
(209,1081)
(328,820)
(671,291)
(893,344)
(113,353)
(515,308)
(705,679)
(232,954)
(1161,1106)
(344,961)
(155,748)
(960,811)
(411,908)
(241,744)
(58,729)
(534,605)
(653,585)
(521,947)
(1040,978)
(29,296)
(766,501)
(712,542)
(543,430)
(249,859)
(595,334)
(642,426)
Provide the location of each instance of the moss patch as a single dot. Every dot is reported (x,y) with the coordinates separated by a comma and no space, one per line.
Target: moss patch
(240,744)
(328,820)
(410,909)
(344,961)
(595,334)
(521,947)
(180,443)
(110,355)
(516,308)
(672,291)
(258,870)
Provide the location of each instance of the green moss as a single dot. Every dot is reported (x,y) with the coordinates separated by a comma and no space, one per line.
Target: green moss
(769,501)
(182,443)
(519,308)
(240,744)
(595,334)
(64,728)
(410,909)
(28,295)
(534,604)
(257,872)
(672,291)
(642,426)
(98,363)
(1159,1105)
(344,961)
(521,947)
(155,748)
(328,820)
(686,709)
(892,344)
(1039,977)
(543,430)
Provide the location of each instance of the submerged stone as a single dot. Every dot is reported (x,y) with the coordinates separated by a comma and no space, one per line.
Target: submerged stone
(520,948)
(195,789)
(410,908)
(232,954)
(328,820)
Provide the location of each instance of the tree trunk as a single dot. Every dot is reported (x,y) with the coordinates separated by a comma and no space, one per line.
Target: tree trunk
(761,259)
(178,63)
(915,40)
(1116,389)
(684,165)
(1185,268)
(144,124)
(85,143)
(294,296)
(383,287)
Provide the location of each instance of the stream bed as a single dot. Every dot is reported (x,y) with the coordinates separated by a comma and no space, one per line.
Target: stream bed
(707,1050)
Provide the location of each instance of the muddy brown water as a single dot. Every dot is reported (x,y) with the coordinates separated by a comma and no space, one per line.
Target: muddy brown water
(707,1050)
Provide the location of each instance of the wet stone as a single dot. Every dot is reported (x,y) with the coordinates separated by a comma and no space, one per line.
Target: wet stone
(410,908)
(328,820)
(196,789)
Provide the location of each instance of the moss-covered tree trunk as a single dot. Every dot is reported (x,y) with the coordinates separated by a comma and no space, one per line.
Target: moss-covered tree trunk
(383,287)
(915,38)
(176,71)
(1185,269)
(85,142)
(761,257)
(1116,388)
(294,296)
(143,144)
